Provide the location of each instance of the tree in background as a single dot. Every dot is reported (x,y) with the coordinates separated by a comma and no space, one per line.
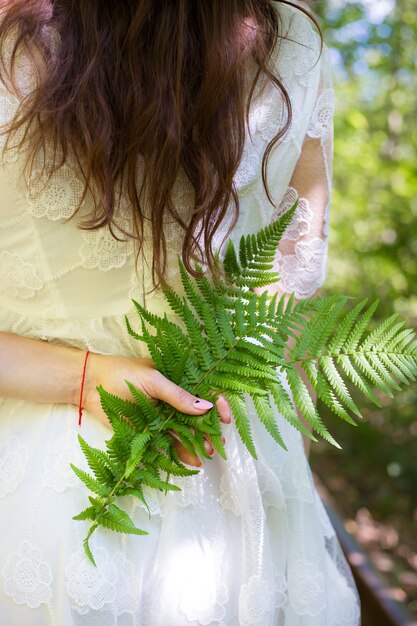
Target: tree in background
(373,253)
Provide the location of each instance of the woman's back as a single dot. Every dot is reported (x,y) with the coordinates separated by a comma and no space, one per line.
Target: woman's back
(57,270)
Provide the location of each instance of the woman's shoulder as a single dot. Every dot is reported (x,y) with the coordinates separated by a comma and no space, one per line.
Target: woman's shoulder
(299,48)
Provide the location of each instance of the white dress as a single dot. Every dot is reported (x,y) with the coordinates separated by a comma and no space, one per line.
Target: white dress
(245,542)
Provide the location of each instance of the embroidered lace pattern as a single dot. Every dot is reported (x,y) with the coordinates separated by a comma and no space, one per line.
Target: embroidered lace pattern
(302,255)
(110,585)
(28,577)
(58,474)
(306,589)
(259,600)
(102,251)
(17,276)
(13,460)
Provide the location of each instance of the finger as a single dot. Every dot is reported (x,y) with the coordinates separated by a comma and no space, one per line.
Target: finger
(163,389)
(184,455)
(209,446)
(224,409)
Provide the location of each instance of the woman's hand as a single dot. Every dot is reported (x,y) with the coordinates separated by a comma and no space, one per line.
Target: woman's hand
(112,371)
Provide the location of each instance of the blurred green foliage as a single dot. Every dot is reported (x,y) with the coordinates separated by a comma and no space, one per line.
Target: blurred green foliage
(374,239)
(373,243)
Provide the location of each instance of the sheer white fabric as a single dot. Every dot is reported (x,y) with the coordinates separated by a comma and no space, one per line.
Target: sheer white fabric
(245,542)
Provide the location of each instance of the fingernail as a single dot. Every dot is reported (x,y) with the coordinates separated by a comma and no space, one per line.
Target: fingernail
(204,405)
(224,439)
(209,448)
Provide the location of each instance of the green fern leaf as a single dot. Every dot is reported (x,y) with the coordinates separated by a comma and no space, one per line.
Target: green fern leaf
(119,521)
(384,372)
(337,383)
(137,448)
(354,338)
(240,318)
(145,405)
(104,469)
(188,283)
(285,406)
(176,469)
(267,417)
(305,403)
(230,263)
(88,514)
(93,485)
(86,544)
(380,336)
(397,371)
(153,347)
(325,393)
(404,340)
(344,328)
(231,340)
(252,248)
(357,379)
(226,328)
(227,383)
(242,421)
(152,479)
(363,363)
(123,408)
(406,366)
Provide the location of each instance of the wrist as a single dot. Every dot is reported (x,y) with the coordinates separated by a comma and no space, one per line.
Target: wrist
(91,380)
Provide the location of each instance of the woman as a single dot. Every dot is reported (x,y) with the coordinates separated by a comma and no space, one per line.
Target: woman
(124,146)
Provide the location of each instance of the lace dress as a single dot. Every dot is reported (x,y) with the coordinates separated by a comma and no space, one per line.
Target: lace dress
(245,542)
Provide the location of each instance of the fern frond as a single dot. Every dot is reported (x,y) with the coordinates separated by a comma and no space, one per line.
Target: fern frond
(230,262)
(88,513)
(242,421)
(119,521)
(137,448)
(152,344)
(189,285)
(267,417)
(143,403)
(344,329)
(114,405)
(232,341)
(93,485)
(357,379)
(104,469)
(259,250)
(325,393)
(379,337)
(226,328)
(86,544)
(383,371)
(356,333)
(285,406)
(152,479)
(407,366)
(304,402)
(337,383)
(370,372)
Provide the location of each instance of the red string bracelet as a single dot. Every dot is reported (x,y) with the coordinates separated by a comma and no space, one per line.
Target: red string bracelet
(80,405)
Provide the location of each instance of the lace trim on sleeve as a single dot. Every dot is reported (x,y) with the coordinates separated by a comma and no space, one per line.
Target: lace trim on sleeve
(302,253)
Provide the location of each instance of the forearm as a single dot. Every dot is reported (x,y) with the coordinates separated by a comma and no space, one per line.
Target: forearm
(38,371)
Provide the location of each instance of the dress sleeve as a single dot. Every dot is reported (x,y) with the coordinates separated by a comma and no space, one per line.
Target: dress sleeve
(302,252)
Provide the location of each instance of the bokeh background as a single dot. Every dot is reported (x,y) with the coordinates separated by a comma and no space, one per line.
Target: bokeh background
(373,253)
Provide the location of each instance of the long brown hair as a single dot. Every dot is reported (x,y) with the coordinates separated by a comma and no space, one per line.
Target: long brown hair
(164,81)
